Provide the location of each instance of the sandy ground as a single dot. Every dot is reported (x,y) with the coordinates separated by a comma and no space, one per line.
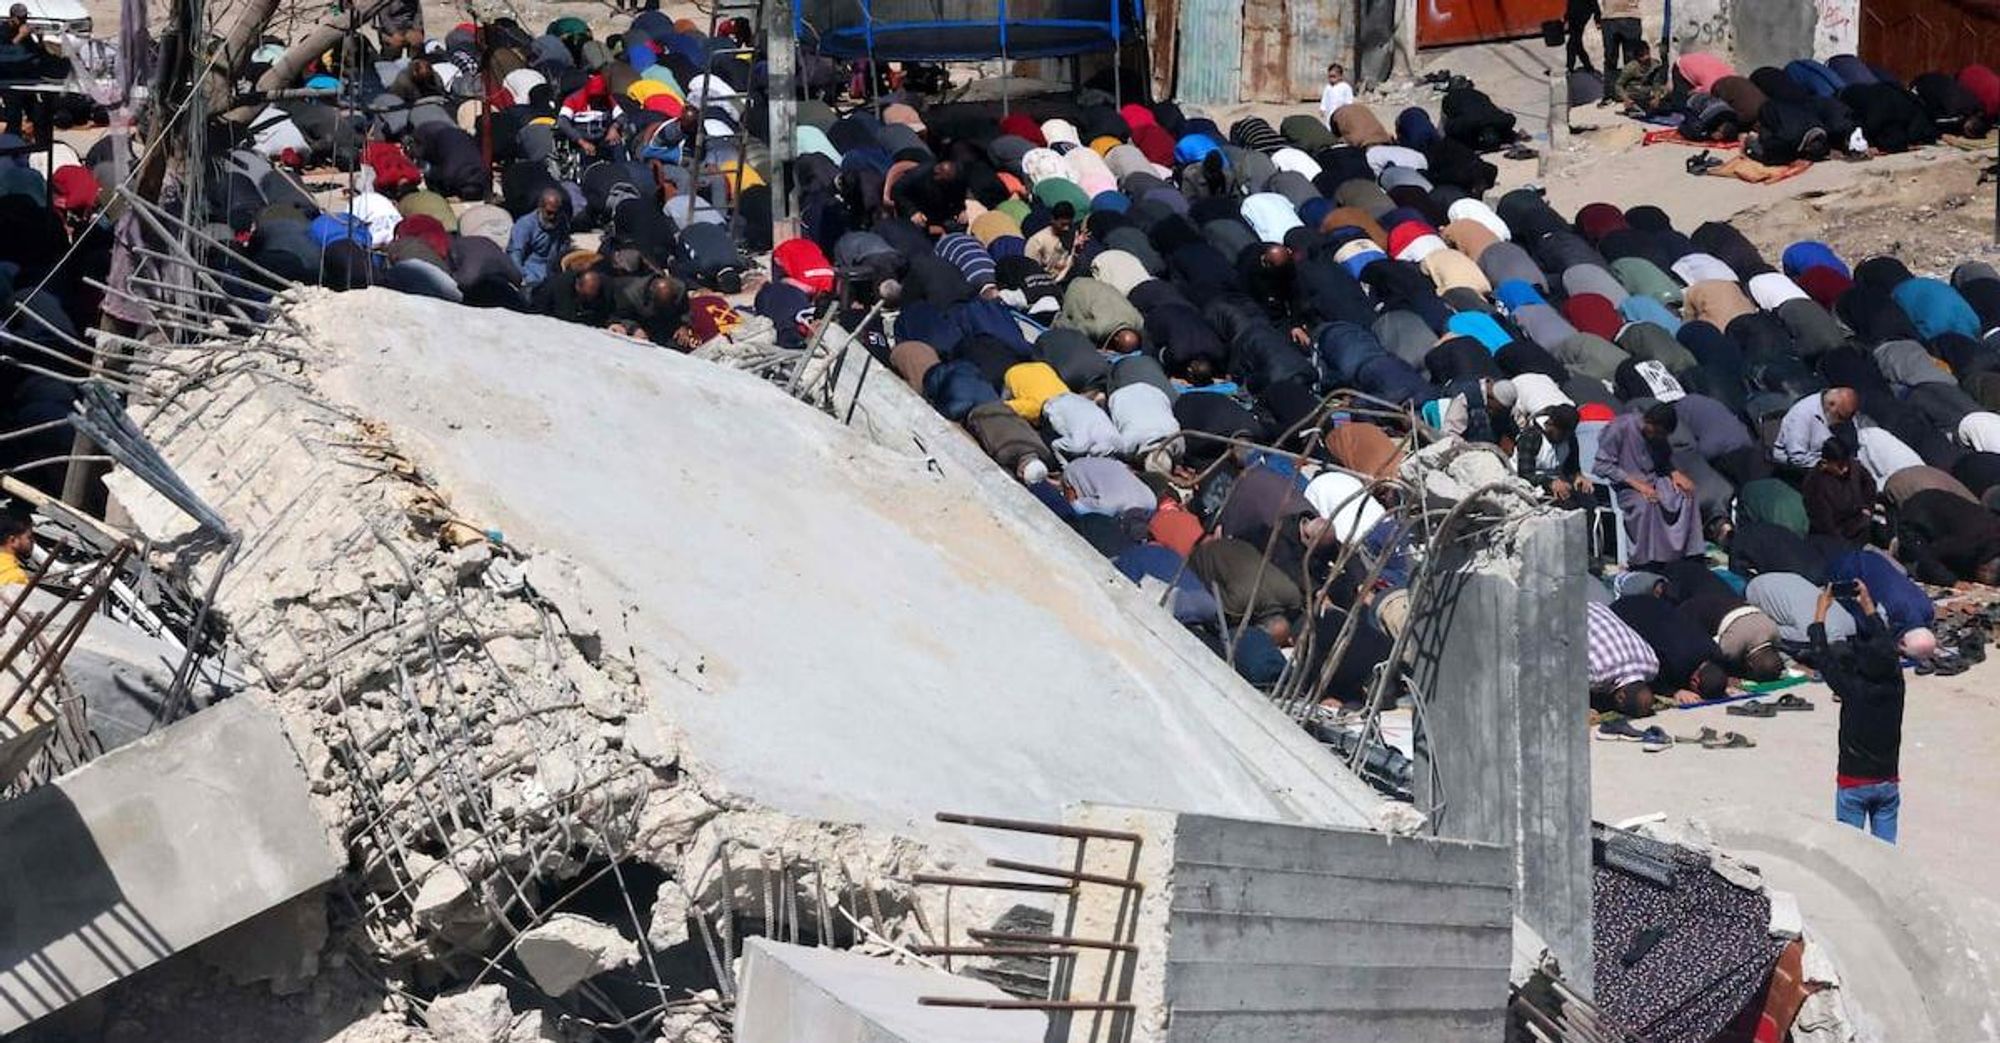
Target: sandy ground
(1950,768)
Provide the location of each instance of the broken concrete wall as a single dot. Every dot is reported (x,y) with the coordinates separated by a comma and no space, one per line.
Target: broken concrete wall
(792,994)
(841,633)
(1754,34)
(1915,952)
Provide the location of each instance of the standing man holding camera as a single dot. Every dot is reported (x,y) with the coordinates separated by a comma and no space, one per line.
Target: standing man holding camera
(1866,675)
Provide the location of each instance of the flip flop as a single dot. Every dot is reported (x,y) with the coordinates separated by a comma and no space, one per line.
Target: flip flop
(1701,738)
(1734,741)
(1789,701)
(1753,708)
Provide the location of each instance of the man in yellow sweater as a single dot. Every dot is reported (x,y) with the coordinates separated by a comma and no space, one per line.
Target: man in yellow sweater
(17,541)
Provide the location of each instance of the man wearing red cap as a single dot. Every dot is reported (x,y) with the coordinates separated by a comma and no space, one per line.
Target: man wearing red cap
(73,191)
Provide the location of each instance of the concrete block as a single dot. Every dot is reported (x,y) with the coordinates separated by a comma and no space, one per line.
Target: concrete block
(794,994)
(147,851)
(1266,931)
(566,949)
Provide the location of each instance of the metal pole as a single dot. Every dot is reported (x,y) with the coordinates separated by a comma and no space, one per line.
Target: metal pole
(1558,120)
(1006,67)
(781,57)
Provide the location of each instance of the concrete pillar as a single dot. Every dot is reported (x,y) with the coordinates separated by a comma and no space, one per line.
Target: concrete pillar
(1503,751)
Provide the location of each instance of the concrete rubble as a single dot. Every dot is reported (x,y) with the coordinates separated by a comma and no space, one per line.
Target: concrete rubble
(502,692)
(566,948)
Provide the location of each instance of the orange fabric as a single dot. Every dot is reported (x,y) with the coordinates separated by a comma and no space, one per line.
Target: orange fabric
(1672,136)
(1743,168)
(1355,217)
(1174,527)
(1364,448)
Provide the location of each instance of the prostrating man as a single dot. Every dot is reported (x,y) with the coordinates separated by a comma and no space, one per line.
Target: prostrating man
(1948,539)
(1622,664)
(1690,663)
(1747,637)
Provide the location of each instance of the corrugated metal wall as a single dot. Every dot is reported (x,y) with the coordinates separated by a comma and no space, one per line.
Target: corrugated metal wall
(1226,51)
(1470,21)
(1321,32)
(1210,54)
(1265,56)
(1163,40)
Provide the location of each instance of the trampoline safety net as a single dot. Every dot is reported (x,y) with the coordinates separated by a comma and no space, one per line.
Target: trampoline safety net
(961,30)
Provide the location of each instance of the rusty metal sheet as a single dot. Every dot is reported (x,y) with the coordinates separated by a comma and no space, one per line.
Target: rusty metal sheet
(1210,52)
(1162,37)
(1442,22)
(1908,37)
(1266,68)
(1320,33)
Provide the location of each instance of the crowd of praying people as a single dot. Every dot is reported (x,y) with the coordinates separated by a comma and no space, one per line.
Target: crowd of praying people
(1808,110)
(1146,339)
(1141,315)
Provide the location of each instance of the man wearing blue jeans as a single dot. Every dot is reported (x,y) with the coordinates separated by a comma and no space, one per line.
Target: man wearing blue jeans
(1866,675)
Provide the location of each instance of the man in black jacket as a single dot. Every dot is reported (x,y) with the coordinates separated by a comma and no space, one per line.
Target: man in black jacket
(1866,675)
(1576,18)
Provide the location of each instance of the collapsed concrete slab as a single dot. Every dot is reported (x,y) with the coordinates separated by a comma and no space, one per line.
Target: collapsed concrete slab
(792,993)
(149,850)
(842,633)
(533,599)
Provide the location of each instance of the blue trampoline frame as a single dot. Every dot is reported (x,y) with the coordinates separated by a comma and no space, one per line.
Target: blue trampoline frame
(1003,38)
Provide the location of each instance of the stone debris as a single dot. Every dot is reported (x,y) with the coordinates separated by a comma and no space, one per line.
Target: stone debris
(477,1015)
(566,949)
(470,719)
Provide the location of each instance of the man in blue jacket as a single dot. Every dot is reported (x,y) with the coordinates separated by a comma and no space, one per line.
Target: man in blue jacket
(540,238)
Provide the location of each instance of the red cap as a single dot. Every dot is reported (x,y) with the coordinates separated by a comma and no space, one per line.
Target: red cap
(73,188)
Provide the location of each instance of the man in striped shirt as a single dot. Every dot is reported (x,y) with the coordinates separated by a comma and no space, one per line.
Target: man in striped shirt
(1622,665)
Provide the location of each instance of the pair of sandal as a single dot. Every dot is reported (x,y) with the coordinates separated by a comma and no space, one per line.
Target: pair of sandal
(1702,163)
(1759,708)
(1942,666)
(1708,739)
(1652,740)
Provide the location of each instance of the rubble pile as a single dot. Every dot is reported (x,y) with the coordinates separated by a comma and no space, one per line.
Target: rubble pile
(484,756)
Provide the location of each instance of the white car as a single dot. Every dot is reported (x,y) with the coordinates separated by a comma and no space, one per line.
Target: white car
(57,16)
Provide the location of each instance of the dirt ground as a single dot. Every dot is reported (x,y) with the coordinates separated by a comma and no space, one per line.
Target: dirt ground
(1950,769)
(1935,217)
